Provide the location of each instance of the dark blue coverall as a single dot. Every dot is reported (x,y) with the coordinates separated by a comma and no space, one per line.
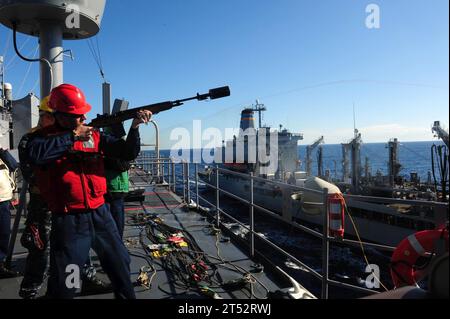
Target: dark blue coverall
(73,234)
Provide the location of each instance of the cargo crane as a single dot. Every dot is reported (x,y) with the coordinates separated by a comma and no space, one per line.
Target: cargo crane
(394,163)
(309,150)
(440,161)
(440,132)
(354,147)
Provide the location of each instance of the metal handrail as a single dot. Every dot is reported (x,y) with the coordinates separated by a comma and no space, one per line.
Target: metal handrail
(185,180)
(299,226)
(147,164)
(252,234)
(315,273)
(326,239)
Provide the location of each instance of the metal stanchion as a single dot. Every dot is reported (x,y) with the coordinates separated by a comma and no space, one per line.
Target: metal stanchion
(325,245)
(217,197)
(15,230)
(183,166)
(252,219)
(169,173)
(188,185)
(197,201)
(174,177)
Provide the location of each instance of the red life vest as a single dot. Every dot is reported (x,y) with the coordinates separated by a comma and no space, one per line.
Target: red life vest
(76,181)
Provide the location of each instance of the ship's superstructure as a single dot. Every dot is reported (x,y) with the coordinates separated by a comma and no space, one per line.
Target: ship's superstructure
(263,151)
(16,116)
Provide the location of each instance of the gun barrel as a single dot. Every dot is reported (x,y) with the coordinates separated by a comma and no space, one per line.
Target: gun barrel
(107,120)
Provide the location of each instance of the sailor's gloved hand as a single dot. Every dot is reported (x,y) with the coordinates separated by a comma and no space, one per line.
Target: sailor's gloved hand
(83,133)
(141,117)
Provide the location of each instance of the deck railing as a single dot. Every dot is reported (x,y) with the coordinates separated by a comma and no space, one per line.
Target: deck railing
(181,177)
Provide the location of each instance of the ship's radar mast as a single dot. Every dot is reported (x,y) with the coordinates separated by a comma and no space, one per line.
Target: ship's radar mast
(259,108)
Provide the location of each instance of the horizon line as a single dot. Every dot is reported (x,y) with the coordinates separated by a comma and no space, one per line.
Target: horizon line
(440,141)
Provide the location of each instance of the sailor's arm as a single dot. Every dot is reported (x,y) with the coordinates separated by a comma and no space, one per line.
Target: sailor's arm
(24,161)
(8,159)
(119,148)
(42,150)
(126,149)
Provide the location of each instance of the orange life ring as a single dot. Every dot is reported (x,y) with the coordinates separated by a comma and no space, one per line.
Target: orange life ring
(405,256)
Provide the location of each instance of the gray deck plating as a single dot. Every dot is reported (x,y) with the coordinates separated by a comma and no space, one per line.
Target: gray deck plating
(169,207)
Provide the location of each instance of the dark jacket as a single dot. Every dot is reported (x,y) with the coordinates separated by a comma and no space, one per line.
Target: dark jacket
(70,174)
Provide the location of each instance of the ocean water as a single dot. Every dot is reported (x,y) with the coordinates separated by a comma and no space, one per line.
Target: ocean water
(413,156)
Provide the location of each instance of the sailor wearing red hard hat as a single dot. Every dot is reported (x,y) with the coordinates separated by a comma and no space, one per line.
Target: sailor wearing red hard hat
(68,162)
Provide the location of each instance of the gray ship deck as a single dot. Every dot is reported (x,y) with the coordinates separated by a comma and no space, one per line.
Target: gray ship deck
(170,209)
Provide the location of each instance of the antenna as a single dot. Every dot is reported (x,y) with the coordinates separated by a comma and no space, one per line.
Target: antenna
(2,80)
(259,108)
(354,120)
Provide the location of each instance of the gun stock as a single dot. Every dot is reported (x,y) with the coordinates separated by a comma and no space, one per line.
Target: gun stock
(122,116)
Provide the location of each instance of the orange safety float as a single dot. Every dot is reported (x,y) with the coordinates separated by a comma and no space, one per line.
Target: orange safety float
(404,271)
(336,214)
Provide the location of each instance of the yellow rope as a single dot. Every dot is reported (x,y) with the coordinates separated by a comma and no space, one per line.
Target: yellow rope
(362,246)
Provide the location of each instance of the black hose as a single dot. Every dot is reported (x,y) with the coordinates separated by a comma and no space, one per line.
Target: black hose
(443,157)
(433,150)
(15,45)
(440,155)
(47,62)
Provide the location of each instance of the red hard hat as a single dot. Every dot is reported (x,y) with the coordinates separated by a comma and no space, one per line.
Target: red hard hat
(67,98)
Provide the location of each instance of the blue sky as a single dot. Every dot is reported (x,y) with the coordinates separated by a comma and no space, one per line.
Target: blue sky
(308,61)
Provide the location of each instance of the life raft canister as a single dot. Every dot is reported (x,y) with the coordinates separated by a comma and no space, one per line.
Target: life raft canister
(405,256)
(336,214)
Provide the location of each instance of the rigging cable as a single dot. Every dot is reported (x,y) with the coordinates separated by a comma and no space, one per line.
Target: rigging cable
(99,54)
(31,60)
(247,276)
(95,51)
(415,152)
(371,154)
(35,85)
(182,262)
(6,46)
(144,269)
(27,73)
(12,62)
